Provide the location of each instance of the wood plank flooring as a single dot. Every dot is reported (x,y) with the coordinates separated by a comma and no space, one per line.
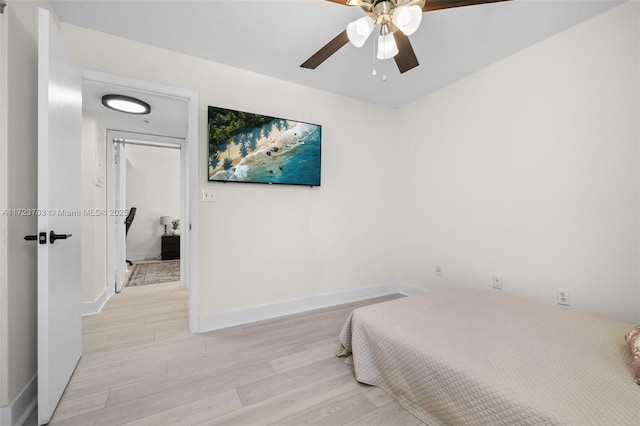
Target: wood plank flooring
(141,366)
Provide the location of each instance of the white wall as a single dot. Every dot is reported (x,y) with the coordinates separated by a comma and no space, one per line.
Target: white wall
(153,187)
(93,198)
(19,362)
(528,170)
(264,244)
(21,179)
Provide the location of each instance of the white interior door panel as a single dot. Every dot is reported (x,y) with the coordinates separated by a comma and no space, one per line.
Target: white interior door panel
(59,286)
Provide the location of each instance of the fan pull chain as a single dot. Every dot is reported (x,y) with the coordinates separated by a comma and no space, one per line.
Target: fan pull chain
(374,72)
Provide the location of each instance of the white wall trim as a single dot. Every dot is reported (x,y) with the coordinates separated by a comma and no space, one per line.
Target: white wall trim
(409,290)
(5,415)
(4,102)
(294,306)
(190,245)
(94,308)
(22,405)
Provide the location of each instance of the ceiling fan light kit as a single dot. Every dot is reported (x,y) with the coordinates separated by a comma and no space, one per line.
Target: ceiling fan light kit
(397,20)
(359,30)
(407,18)
(387,47)
(403,15)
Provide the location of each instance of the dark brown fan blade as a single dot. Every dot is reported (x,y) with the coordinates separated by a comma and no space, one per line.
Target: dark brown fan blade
(342,2)
(448,4)
(406,57)
(329,49)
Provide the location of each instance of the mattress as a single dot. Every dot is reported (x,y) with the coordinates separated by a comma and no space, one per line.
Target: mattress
(474,357)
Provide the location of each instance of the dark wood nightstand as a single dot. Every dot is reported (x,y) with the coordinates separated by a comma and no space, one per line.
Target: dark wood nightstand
(170,247)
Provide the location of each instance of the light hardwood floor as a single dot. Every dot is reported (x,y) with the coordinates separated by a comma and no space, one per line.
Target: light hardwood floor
(141,366)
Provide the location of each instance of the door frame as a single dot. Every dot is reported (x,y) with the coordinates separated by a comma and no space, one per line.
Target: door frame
(189,181)
(4,102)
(116,271)
(116,194)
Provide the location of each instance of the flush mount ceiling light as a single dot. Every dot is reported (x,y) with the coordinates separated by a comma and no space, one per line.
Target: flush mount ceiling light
(397,20)
(126,104)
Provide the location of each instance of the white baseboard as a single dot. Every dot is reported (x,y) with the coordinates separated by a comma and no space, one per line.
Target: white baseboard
(93,308)
(409,290)
(263,312)
(23,404)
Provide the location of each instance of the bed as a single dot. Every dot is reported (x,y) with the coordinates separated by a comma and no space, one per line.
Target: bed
(465,356)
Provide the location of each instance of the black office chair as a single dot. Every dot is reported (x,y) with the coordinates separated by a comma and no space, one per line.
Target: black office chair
(127,222)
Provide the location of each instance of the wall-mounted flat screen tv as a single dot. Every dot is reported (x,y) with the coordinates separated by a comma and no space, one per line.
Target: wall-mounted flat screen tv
(247,147)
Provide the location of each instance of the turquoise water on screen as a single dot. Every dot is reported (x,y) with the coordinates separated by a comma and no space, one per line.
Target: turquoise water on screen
(299,165)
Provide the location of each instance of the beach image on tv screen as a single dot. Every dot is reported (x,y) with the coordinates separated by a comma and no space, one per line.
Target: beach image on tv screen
(246,147)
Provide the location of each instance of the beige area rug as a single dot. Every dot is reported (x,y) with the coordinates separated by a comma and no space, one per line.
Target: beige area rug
(161,271)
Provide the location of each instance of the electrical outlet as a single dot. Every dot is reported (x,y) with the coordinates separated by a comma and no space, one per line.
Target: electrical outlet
(497,282)
(563,297)
(438,271)
(208,195)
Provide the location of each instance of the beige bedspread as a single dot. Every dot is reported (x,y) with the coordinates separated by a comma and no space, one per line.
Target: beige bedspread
(463,356)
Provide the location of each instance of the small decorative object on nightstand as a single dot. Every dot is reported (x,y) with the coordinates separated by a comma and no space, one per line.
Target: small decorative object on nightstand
(175,227)
(170,247)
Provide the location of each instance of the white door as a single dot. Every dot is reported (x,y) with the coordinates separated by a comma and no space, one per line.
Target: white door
(59,287)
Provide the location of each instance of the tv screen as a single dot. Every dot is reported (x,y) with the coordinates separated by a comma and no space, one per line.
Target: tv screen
(246,147)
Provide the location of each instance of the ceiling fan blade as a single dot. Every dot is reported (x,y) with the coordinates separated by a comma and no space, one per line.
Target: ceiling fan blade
(406,58)
(431,5)
(329,49)
(342,2)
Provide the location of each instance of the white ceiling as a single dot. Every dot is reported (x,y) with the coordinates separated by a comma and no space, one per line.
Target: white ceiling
(168,116)
(273,37)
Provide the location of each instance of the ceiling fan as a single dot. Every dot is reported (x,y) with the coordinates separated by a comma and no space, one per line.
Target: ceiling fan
(397,19)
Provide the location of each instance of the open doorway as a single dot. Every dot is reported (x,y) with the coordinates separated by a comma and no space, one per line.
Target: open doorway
(149,173)
(170,127)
